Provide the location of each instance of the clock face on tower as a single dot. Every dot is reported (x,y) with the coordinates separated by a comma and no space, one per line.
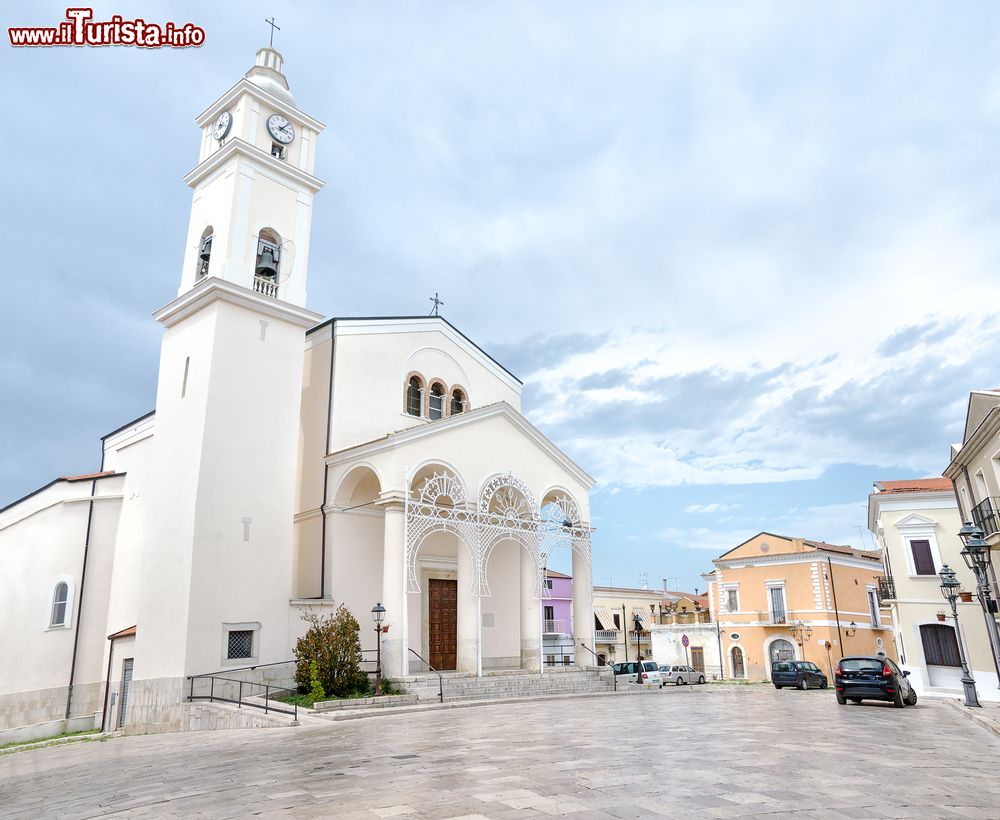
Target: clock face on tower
(222,125)
(280,129)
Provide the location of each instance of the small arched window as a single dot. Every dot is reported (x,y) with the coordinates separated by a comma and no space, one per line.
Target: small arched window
(60,604)
(205,251)
(414,396)
(457,402)
(437,401)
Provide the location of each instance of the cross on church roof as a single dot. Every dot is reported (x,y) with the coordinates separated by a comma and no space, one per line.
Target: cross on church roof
(273,26)
(437,303)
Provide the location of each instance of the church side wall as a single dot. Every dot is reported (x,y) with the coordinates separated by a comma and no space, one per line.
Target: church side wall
(39,548)
(354,565)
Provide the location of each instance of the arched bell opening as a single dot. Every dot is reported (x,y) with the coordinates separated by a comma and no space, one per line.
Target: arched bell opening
(204,252)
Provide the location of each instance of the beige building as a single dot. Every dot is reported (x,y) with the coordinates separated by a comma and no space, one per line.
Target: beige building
(778,598)
(916,523)
(617,608)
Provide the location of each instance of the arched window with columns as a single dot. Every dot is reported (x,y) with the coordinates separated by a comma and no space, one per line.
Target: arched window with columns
(414,396)
(435,406)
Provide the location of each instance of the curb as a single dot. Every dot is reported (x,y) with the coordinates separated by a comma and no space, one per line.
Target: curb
(56,741)
(989,725)
(468,704)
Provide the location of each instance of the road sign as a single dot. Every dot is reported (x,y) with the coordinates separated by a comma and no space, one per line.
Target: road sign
(685,641)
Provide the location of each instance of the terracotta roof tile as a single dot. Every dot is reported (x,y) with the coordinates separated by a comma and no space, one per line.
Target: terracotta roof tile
(125,633)
(86,476)
(915,485)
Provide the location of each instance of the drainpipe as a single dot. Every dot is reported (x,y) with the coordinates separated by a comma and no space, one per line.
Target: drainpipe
(79,603)
(833,589)
(107,683)
(326,470)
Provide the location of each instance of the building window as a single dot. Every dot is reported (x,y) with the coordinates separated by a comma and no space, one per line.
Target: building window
(277,151)
(414,396)
(437,401)
(776,596)
(240,644)
(732,600)
(617,620)
(873,607)
(60,604)
(548,583)
(204,252)
(923,558)
(457,402)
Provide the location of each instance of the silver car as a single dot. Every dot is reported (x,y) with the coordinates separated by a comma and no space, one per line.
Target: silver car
(681,675)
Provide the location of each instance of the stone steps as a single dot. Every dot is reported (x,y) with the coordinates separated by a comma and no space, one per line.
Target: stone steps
(508,686)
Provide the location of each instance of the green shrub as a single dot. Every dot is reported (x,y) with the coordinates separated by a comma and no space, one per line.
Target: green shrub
(333,644)
(316,692)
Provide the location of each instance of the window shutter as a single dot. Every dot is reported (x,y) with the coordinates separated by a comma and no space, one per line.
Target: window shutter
(923,561)
(940,645)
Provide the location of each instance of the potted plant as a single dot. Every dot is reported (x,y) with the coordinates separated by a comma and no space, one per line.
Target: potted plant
(940,615)
(965,596)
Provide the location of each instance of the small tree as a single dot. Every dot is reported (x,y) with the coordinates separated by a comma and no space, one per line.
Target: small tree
(334,645)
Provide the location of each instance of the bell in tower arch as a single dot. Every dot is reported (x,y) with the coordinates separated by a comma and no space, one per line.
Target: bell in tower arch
(267,265)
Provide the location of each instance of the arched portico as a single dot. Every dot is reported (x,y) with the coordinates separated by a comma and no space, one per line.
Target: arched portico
(501,539)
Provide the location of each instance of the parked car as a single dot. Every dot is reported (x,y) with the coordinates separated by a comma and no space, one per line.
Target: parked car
(681,674)
(872,678)
(800,674)
(650,672)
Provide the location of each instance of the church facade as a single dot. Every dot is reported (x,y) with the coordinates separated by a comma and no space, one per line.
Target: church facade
(291,464)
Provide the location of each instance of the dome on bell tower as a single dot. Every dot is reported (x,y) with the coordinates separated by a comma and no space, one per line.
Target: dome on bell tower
(266,74)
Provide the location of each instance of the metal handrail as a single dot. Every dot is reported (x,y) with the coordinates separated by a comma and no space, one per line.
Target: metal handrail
(614,677)
(240,669)
(440,676)
(211,697)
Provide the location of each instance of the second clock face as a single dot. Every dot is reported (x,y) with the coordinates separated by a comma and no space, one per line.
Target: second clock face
(280,129)
(222,125)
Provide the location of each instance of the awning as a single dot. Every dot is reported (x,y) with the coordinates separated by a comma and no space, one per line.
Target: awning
(604,618)
(643,617)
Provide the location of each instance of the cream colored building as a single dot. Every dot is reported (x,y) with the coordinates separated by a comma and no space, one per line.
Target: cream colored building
(777,598)
(916,523)
(291,463)
(617,608)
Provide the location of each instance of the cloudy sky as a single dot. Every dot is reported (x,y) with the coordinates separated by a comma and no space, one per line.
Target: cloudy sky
(744,255)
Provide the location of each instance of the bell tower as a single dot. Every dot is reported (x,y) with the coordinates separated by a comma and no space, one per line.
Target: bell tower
(253,187)
(217,554)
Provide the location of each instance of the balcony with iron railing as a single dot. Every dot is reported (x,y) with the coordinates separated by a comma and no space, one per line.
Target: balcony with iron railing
(638,637)
(606,635)
(986,515)
(554,628)
(776,618)
(886,590)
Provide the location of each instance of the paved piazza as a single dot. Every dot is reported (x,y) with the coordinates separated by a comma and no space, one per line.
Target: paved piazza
(693,752)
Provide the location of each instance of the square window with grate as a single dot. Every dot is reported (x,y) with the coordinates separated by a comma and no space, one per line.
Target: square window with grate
(240,643)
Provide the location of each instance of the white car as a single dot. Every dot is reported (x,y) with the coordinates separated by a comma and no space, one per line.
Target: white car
(649,673)
(681,674)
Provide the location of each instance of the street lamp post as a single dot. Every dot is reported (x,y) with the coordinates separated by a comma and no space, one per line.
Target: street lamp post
(949,589)
(637,622)
(378,613)
(802,633)
(977,558)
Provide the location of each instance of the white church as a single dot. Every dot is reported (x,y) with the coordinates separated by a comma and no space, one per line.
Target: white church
(291,463)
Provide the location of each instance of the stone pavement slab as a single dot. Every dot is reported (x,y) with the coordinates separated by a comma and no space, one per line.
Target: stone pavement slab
(701,753)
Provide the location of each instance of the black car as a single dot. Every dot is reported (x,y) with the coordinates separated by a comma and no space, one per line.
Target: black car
(800,674)
(873,678)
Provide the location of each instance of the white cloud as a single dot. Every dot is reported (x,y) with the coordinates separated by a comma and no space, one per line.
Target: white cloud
(714,507)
